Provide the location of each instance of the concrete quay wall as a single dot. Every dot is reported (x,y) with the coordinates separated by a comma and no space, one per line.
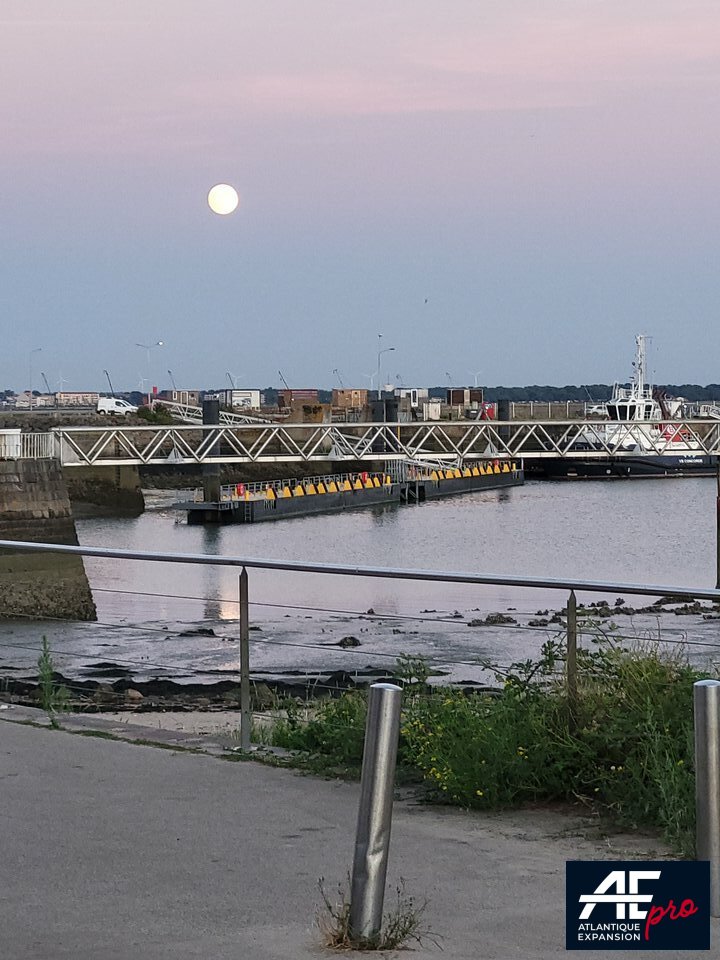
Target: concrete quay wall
(105,491)
(34,506)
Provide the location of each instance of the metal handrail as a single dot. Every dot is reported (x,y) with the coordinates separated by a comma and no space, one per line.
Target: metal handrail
(261,486)
(27,446)
(392,573)
(38,446)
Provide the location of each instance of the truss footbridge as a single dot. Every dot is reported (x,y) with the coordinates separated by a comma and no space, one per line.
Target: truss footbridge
(372,443)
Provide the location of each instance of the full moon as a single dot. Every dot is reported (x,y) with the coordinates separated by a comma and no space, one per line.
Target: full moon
(223,199)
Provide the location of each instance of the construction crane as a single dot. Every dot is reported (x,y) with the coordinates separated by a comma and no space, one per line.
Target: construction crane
(337,374)
(47,387)
(285,383)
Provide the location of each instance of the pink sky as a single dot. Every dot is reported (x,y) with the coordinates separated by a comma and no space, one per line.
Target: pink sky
(86,74)
(586,126)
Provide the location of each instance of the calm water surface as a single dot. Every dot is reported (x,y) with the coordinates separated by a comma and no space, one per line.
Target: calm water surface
(648,531)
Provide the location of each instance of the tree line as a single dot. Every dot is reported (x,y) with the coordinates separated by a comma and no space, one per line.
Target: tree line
(586,392)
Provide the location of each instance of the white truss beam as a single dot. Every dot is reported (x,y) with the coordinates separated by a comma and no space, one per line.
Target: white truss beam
(377,442)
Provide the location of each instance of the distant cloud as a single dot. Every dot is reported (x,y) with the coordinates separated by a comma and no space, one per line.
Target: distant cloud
(353,93)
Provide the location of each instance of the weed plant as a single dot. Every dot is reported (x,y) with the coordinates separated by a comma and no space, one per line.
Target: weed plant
(402,924)
(53,698)
(627,750)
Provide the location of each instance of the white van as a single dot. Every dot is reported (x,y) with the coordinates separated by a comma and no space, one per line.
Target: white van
(115,406)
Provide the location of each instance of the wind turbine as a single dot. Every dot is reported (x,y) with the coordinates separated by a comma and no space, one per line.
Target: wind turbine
(233,379)
(61,381)
(475,375)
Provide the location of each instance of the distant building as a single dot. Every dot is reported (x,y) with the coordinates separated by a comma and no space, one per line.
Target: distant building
(239,399)
(464,396)
(189,398)
(416,395)
(349,398)
(432,409)
(77,398)
(286,398)
(23,401)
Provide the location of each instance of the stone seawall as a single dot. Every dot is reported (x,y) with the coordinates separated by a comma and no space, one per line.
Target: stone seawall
(34,506)
(105,491)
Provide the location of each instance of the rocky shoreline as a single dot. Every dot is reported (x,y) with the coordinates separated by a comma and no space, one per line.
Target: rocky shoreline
(97,696)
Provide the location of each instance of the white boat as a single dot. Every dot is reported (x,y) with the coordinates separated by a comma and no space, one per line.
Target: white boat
(643,420)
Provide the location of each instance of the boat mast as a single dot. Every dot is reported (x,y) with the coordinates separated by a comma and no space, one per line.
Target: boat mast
(640,363)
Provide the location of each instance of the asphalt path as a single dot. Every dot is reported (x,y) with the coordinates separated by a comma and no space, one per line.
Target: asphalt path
(116,851)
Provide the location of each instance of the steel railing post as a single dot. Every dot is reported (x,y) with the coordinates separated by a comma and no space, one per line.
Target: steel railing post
(571,657)
(706,705)
(372,840)
(245,712)
(717,531)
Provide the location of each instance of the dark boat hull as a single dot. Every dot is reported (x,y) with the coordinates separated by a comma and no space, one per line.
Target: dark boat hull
(407,491)
(616,468)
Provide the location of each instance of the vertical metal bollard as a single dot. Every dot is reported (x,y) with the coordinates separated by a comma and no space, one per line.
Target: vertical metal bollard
(245,713)
(717,532)
(706,704)
(571,656)
(372,841)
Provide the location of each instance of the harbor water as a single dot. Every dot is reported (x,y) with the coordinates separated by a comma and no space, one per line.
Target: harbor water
(181,621)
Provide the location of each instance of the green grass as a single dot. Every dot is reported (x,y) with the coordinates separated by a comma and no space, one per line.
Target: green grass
(628,754)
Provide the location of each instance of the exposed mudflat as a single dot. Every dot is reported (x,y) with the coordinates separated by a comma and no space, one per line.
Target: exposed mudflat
(187,667)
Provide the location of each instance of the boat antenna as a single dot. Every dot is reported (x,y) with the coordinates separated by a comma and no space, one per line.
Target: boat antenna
(640,362)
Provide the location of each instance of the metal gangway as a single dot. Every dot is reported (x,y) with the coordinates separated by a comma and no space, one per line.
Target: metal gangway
(711,410)
(189,413)
(375,443)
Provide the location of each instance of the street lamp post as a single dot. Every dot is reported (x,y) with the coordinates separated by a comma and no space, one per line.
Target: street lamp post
(147,347)
(380,353)
(30,359)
